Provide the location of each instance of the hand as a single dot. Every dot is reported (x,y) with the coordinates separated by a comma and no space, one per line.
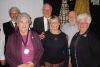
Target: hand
(42,36)
(22,65)
(3,62)
(69,65)
(30,64)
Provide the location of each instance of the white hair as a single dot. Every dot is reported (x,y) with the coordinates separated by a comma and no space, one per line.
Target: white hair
(84,16)
(23,14)
(14,9)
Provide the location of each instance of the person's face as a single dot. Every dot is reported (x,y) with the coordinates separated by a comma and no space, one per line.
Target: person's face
(72,17)
(23,24)
(83,25)
(13,14)
(47,10)
(54,24)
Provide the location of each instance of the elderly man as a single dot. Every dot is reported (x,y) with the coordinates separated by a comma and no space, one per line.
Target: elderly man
(41,23)
(84,48)
(10,26)
(70,28)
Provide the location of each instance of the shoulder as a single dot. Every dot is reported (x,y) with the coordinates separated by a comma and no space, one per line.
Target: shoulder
(47,33)
(35,34)
(6,23)
(92,36)
(64,25)
(63,34)
(38,18)
(13,35)
(76,35)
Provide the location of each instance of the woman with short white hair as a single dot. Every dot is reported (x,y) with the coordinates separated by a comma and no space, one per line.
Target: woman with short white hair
(84,47)
(24,48)
(83,21)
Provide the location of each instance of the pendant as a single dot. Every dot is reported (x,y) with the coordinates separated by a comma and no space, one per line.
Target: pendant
(26,51)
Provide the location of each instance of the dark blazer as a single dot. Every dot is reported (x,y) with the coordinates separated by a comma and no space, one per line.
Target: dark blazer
(85,50)
(38,25)
(13,49)
(8,29)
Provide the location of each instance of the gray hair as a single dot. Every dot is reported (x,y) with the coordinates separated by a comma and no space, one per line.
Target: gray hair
(14,9)
(47,4)
(54,18)
(84,16)
(24,14)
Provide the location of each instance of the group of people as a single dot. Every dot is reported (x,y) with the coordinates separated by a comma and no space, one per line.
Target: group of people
(49,43)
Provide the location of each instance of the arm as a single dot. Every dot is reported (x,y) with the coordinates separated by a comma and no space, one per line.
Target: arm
(9,52)
(66,51)
(2,45)
(35,25)
(64,27)
(94,44)
(38,25)
(28,64)
(40,49)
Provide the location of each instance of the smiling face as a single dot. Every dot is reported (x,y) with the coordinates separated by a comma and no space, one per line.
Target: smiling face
(13,15)
(83,21)
(83,25)
(47,10)
(23,24)
(72,17)
(54,24)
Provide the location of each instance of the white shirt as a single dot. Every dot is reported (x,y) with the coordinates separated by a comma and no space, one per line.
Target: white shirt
(13,23)
(46,23)
(70,30)
(2,43)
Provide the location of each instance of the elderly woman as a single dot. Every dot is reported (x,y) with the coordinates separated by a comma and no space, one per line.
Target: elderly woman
(85,48)
(24,47)
(55,45)
(2,44)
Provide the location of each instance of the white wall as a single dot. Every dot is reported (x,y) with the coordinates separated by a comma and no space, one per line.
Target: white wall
(32,7)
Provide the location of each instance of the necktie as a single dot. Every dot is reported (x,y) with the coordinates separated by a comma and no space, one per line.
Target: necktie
(16,27)
(48,23)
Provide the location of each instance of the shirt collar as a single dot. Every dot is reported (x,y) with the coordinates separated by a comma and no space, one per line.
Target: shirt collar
(46,18)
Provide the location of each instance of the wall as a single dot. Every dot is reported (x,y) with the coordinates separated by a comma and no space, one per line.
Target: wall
(32,7)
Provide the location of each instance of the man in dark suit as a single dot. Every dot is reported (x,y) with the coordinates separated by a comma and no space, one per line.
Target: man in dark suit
(41,23)
(10,26)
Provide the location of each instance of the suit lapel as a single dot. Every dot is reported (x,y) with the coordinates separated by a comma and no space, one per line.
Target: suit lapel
(43,23)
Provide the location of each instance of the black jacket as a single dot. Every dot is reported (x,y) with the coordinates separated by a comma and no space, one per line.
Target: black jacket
(38,25)
(8,29)
(85,50)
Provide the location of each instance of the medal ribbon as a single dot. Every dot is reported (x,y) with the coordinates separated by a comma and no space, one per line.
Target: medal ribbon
(25,42)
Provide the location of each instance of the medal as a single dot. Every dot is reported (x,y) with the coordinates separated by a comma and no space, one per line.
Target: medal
(26,51)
